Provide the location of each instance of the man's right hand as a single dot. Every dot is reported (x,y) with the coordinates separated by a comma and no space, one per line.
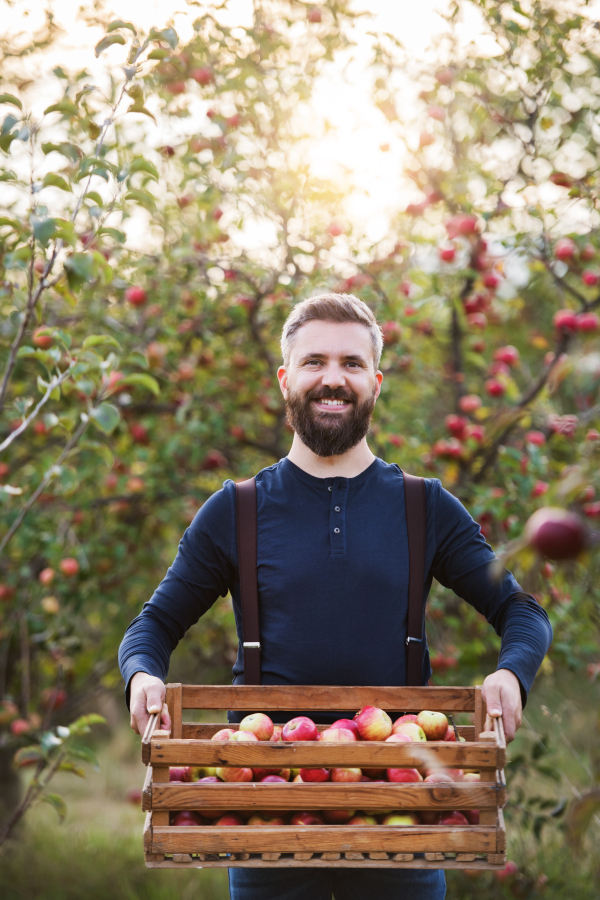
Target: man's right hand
(147,696)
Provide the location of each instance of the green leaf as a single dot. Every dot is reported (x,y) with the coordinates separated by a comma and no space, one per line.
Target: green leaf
(8,176)
(101,449)
(107,41)
(158,54)
(82,725)
(115,233)
(64,148)
(4,220)
(143,380)
(119,23)
(94,197)
(139,164)
(143,197)
(135,358)
(69,766)
(85,754)
(66,107)
(44,230)
(10,98)
(80,268)
(93,340)
(167,34)
(28,756)
(86,89)
(106,417)
(54,180)
(56,801)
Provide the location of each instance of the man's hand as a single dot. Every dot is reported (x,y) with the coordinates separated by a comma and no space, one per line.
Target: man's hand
(502,694)
(147,696)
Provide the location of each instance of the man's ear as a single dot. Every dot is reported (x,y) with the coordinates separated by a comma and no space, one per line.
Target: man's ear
(378,379)
(283,380)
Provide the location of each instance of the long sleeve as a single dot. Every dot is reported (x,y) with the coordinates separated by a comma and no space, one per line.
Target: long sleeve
(462,562)
(201,572)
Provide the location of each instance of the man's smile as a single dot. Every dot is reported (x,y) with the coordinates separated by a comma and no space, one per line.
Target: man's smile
(328,405)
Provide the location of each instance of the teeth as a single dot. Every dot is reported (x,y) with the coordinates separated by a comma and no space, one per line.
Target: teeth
(333,402)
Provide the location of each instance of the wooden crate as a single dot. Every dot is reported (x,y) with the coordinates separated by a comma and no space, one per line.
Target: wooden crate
(480,846)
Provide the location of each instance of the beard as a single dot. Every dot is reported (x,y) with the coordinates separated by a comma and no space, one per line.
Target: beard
(329,434)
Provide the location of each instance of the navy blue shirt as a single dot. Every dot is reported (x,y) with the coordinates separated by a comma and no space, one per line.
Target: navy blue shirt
(333,581)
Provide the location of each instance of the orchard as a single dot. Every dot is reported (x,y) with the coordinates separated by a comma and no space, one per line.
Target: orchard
(139,349)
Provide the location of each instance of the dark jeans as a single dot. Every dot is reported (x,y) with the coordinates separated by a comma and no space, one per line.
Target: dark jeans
(343,884)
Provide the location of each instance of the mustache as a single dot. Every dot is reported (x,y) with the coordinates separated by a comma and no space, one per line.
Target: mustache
(331,394)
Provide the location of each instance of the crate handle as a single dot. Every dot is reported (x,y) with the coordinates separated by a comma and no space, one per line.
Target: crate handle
(496,724)
(150,727)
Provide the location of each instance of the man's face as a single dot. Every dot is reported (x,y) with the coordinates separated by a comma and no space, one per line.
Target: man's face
(330,385)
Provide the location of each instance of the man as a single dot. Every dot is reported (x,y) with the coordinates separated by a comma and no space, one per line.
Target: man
(333,572)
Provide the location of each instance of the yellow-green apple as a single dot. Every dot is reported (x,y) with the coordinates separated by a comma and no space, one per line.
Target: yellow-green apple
(293,773)
(348,724)
(243,736)
(297,778)
(306,818)
(373,723)
(186,817)
(234,773)
(276,736)
(439,778)
(199,772)
(412,730)
(399,819)
(299,729)
(180,773)
(454,818)
(362,819)
(343,735)
(314,774)
(285,774)
(337,816)
(346,775)
(409,717)
(225,734)
(434,724)
(471,777)
(259,724)
(231,819)
(404,775)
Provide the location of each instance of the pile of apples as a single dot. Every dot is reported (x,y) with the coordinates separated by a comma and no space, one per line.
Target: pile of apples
(369,724)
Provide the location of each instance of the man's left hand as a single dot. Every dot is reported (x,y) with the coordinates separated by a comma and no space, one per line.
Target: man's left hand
(502,694)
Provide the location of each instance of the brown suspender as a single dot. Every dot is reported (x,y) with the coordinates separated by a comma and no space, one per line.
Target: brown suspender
(414,498)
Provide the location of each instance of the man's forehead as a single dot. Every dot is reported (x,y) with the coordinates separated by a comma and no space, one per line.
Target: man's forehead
(332,339)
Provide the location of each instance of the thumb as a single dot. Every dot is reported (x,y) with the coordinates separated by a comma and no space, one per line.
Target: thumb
(494,706)
(154,699)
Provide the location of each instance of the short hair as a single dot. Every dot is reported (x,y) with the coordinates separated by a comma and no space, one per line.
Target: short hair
(331,308)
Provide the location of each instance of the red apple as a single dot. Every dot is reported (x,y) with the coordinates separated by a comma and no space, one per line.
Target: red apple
(477,320)
(538,438)
(20,726)
(139,433)
(259,724)
(439,778)
(450,735)
(392,332)
(556,533)
(347,725)
(399,820)
(180,773)
(454,818)
(565,249)
(225,734)
(53,697)
(273,779)
(472,816)
(230,819)
(137,296)
(299,729)
(565,320)
(234,774)
(494,387)
(69,566)
(456,425)
(373,723)
(509,871)
(403,775)
(447,254)
(337,816)
(587,321)
(469,403)
(41,340)
(314,15)
(462,224)
(509,355)
(346,775)
(316,775)
(362,819)
(186,817)
(344,735)
(243,736)
(430,817)
(399,738)
(46,576)
(262,820)
(412,729)
(203,75)
(434,724)
(407,717)
(306,818)
(209,779)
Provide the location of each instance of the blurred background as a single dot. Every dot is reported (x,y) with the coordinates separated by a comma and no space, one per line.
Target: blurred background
(173,179)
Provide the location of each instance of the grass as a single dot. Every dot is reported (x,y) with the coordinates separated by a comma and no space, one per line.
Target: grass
(97,852)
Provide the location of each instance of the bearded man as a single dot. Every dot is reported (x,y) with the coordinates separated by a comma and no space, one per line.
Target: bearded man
(332,563)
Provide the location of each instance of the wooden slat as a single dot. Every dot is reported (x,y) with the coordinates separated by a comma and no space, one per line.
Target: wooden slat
(312,754)
(147,833)
(479,716)
(325,697)
(324,838)
(147,790)
(488,776)
(404,857)
(182,858)
(174,696)
(203,731)
(326,796)
(431,857)
(335,856)
(160,776)
(303,856)
(501,833)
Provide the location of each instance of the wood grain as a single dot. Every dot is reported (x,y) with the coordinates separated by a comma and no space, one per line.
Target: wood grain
(313,754)
(324,838)
(160,775)
(174,696)
(325,796)
(488,776)
(147,833)
(325,697)
(147,790)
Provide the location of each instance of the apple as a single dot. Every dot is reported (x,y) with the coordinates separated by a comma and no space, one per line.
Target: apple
(259,724)
(472,777)
(348,724)
(203,75)
(565,320)
(509,355)
(430,816)
(509,871)
(537,438)
(138,433)
(225,734)
(477,320)
(20,726)
(472,816)
(447,254)
(309,775)
(373,723)
(556,533)
(244,736)
(494,387)
(46,576)
(299,729)
(450,735)
(262,820)
(374,774)
(69,566)
(362,819)
(229,819)
(273,779)
(402,776)
(186,817)
(412,729)
(439,778)
(297,779)
(137,296)
(346,775)
(53,698)
(41,340)
(456,425)
(461,224)
(401,819)
(343,735)
(434,724)
(306,818)
(565,249)
(180,773)
(209,779)
(337,816)
(590,278)
(399,738)
(391,332)
(407,717)
(6,593)
(454,818)
(587,321)
(234,773)
(314,15)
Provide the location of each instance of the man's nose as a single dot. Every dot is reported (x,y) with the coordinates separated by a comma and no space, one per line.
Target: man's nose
(333,375)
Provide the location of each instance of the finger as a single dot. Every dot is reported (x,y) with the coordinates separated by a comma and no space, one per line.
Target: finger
(165,718)
(155,696)
(133,724)
(492,699)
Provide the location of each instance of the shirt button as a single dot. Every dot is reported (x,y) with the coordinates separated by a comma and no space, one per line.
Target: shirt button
(337,508)
(329,488)
(336,530)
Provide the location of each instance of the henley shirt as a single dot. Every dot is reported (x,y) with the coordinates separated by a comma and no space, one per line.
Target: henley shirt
(332,562)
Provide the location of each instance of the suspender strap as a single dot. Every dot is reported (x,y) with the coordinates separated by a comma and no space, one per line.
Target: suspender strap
(245,501)
(414,499)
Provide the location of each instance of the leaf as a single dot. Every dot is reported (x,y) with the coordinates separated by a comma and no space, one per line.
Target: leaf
(94,197)
(64,148)
(158,54)
(143,380)
(143,197)
(80,268)
(93,340)
(86,755)
(69,766)
(106,417)
(4,220)
(119,23)
(107,41)
(28,756)
(82,725)
(54,180)
(580,816)
(56,801)
(10,98)
(144,165)
(135,358)
(44,230)
(86,89)
(167,34)
(66,107)
(8,176)
(115,233)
